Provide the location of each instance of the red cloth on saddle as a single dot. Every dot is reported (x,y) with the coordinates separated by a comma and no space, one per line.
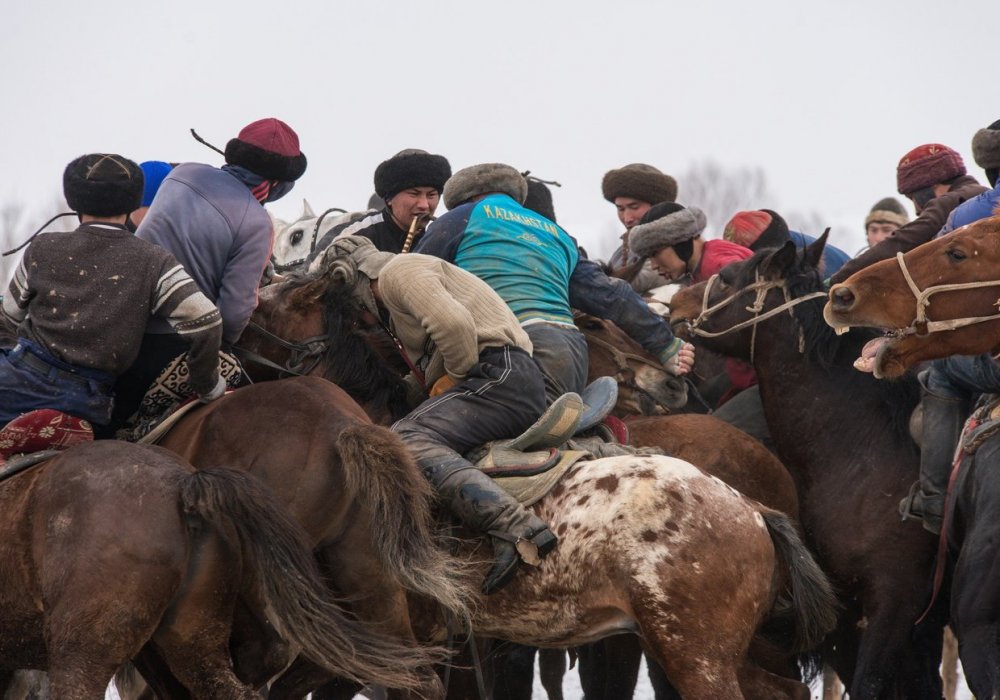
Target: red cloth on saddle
(45,429)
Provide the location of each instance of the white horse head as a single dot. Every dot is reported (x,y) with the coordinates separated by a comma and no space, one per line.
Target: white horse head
(293,242)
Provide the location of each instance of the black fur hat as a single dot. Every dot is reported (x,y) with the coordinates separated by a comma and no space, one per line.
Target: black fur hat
(639,181)
(269,148)
(539,199)
(103,184)
(411,168)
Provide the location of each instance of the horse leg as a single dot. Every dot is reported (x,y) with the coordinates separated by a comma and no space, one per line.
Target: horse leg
(609,669)
(514,671)
(886,646)
(304,676)
(949,664)
(551,670)
(755,682)
(662,690)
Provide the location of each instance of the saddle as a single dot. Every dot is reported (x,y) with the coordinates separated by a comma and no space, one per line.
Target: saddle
(35,436)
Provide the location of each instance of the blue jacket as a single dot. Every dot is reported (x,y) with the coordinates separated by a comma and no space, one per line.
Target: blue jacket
(534,265)
(833,257)
(972,210)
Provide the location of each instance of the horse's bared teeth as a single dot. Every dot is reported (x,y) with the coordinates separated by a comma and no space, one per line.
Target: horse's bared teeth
(840,330)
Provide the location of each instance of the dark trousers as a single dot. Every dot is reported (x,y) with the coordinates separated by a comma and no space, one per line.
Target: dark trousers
(561,353)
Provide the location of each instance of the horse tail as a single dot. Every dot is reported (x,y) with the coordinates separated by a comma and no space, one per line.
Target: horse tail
(287,576)
(383,474)
(813,602)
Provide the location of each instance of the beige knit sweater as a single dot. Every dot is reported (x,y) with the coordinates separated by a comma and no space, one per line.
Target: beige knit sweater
(445,316)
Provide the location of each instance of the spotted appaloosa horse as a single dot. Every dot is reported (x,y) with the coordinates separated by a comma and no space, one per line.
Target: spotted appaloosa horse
(844,438)
(113,551)
(958,275)
(644,541)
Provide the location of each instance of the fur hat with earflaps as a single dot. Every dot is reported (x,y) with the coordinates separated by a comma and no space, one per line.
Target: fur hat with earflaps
(673,227)
(411,168)
(986,150)
(103,184)
(887,211)
(269,148)
(485,178)
(639,181)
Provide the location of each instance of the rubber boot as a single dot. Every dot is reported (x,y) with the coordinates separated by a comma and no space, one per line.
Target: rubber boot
(479,503)
(942,427)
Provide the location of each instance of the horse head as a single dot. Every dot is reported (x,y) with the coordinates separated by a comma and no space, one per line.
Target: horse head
(295,241)
(937,300)
(644,386)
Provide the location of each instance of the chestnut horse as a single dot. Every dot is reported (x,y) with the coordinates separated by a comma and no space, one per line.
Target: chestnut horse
(958,275)
(113,551)
(844,438)
(612,501)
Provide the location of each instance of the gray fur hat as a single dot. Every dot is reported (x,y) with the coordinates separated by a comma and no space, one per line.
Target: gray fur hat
(639,181)
(347,257)
(986,146)
(677,227)
(483,179)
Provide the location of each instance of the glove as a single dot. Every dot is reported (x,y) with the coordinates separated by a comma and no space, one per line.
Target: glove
(681,360)
(442,385)
(216,392)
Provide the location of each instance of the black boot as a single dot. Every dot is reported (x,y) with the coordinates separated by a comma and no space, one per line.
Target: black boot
(479,503)
(942,427)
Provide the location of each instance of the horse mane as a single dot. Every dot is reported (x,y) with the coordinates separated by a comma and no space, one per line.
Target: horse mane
(824,348)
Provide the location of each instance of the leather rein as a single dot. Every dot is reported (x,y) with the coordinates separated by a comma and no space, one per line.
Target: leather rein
(304,355)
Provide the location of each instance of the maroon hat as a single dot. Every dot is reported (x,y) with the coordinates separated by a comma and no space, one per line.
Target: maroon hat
(269,148)
(927,165)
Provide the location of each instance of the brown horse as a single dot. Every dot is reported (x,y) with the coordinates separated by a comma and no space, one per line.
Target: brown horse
(844,438)
(603,501)
(957,275)
(357,493)
(113,551)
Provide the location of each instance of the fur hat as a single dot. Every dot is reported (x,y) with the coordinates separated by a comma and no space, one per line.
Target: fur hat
(926,166)
(103,184)
(411,168)
(762,228)
(539,199)
(639,181)
(347,257)
(647,239)
(483,179)
(986,147)
(269,148)
(887,211)
(154,171)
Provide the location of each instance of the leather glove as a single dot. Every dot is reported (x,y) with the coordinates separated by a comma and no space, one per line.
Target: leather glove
(216,392)
(442,385)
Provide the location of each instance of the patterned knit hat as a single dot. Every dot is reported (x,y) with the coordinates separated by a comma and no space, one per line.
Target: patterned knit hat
(762,228)
(671,227)
(926,166)
(986,147)
(411,168)
(484,179)
(103,184)
(639,181)
(887,211)
(269,148)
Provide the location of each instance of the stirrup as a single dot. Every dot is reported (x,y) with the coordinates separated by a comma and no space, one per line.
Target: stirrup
(906,511)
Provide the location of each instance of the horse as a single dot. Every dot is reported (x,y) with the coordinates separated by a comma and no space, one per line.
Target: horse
(959,272)
(844,438)
(113,550)
(295,241)
(597,501)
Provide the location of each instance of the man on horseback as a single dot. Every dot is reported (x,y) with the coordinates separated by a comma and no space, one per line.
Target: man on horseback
(466,347)
(410,183)
(81,301)
(534,265)
(213,221)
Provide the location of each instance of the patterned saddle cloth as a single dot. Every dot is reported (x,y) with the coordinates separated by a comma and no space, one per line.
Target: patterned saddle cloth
(44,429)
(170,392)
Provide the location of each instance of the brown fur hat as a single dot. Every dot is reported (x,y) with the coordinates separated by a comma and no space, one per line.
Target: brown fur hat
(887,211)
(676,227)
(986,147)
(639,181)
(483,179)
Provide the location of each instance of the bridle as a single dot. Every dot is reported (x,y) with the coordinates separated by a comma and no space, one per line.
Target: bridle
(921,326)
(304,355)
(285,267)
(761,287)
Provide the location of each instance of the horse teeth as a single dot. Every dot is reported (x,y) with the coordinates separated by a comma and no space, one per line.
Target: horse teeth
(840,330)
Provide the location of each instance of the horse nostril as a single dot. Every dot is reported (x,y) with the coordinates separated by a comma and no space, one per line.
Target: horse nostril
(842,298)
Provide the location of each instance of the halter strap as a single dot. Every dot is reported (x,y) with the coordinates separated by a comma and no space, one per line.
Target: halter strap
(312,244)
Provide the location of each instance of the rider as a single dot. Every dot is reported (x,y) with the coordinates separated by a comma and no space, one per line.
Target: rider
(534,266)
(886,215)
(410,183)
(765,228)
(950,384)
(633,189)
(213,221)
(476,361)
(81,301)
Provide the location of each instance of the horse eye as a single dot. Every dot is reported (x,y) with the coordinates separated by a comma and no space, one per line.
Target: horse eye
(296,236)
(592,325)
(956,254)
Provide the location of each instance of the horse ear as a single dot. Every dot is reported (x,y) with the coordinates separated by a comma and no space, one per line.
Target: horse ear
(814,251)
(777,263)
(307,211)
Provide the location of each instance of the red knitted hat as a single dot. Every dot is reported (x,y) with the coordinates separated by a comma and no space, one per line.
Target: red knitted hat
(746,226)
(269,148)
(927,165)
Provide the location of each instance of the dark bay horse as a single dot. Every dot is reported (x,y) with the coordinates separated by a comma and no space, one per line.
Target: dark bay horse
(958,275)
(844,438)
(112,551)
(611,526)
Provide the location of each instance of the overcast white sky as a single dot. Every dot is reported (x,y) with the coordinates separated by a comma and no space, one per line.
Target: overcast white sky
(825,96)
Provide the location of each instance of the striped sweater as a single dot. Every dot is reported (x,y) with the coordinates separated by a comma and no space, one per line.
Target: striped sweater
(86,297)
